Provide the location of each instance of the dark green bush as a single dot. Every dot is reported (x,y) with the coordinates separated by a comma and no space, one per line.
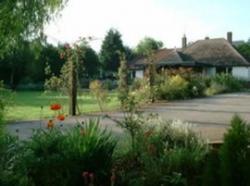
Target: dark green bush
(235,154)
(10,151)
(59,158)
(211,174)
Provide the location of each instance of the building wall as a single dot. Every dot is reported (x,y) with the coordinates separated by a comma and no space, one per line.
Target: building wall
(241,73)
(139,74)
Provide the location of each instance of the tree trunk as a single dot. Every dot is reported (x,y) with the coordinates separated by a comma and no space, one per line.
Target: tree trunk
(12,79)
(73,88)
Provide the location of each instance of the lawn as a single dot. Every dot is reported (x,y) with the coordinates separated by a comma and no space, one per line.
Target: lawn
(33,105)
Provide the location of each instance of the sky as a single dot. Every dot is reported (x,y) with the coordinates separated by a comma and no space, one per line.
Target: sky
(165,20)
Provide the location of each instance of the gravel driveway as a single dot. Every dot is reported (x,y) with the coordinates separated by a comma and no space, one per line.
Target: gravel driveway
(211,115)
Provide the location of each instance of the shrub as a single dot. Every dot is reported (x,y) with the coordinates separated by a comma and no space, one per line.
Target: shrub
(214,89)
(235,154)
(196,86)
(123,88)
(211,174)
(55,158)
(230,83)
(100,93)
(175,87)
(140,90)
(163,154)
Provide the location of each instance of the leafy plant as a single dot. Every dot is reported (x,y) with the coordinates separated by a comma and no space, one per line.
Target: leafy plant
(123,88)
(235,154)
(230,83)
(175,87)
(97,89)
(55,157)
(163,154)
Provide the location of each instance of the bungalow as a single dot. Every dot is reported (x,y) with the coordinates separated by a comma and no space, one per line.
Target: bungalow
(208,56)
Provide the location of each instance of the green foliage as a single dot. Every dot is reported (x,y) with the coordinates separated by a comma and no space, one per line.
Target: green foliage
(163,153)
(211,174)
(111,48)
(59,158)
(91,63)
(97,89)
(22,20)
(25,64)
(147,45)
(235,154)
(6,98)
(174,87)
(244,50)
(214,88)
(222,83)
(10,151)
(123,89)
(196,86)
(230,83)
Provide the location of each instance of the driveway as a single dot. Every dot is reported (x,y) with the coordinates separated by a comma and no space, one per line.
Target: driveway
(211,116)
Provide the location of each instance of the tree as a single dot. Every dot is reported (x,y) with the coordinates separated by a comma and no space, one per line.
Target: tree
(111,46)
(24,19)
(123,80)
(91,62)
(129,53)
(146,45)
(244,50)
(14,64)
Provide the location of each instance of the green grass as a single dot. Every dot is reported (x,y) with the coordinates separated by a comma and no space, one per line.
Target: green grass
(34,105)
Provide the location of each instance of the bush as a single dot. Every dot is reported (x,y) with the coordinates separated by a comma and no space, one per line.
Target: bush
(214,89)
(59,158)
(211,174)
(10,151)
(164,153)
(99,92)
(230,83)
(196,86)
(175,87)
(235,154)
(140,90)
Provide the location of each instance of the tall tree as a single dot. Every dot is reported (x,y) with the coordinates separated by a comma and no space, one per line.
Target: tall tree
(90,61)
(146,45)
(110,49)
(24,19)
(244,50)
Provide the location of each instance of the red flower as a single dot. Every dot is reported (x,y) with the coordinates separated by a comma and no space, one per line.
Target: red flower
(61,117)
(55,106)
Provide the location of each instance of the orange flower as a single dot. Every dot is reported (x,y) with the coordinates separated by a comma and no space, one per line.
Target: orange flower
(60,117)
(55,106)
(50,124)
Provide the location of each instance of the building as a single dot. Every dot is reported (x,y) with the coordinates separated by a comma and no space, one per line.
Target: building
(208,56)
